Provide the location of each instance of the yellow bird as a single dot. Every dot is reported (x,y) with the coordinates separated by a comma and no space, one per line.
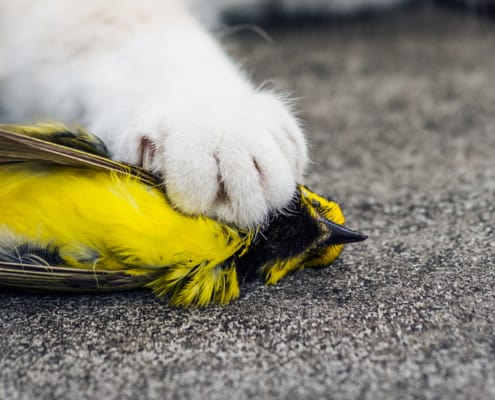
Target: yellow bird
(72,219)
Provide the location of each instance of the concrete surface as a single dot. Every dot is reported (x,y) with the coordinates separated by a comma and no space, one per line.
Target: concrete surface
(400,114)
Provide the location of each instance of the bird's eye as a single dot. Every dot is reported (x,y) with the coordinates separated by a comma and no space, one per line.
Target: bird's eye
(315,203)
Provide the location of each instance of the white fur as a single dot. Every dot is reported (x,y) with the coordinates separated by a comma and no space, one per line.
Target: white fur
(145,68)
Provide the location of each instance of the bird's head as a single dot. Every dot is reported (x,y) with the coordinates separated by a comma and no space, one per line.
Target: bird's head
(309,234)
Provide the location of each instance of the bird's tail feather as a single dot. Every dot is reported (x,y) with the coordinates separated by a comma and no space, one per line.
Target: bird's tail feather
(36,277)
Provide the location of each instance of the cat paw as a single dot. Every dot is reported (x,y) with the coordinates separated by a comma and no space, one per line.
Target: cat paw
(233,160)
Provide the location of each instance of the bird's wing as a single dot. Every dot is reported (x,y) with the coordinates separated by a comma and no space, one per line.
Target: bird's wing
(73,137)
(55,143)
(45,278)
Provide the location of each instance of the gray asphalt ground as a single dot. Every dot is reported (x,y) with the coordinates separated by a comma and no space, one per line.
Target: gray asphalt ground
(400,114)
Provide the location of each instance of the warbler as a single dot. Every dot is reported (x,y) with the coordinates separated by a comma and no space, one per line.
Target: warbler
(73,219)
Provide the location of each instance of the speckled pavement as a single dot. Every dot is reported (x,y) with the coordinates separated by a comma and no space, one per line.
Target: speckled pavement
(399,111)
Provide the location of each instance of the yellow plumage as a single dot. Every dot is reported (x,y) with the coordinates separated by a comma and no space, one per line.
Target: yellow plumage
(101,219)
(71,219)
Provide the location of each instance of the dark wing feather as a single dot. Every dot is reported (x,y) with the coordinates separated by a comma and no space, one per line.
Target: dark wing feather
(83,150)
(73,137)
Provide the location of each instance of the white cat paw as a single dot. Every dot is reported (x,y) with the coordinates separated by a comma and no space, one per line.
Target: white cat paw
(235,160)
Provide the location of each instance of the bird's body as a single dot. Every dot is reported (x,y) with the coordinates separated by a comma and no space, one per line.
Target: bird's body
(72,219)
(95,220)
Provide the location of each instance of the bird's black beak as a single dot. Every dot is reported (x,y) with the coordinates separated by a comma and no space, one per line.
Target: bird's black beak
(339,234)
